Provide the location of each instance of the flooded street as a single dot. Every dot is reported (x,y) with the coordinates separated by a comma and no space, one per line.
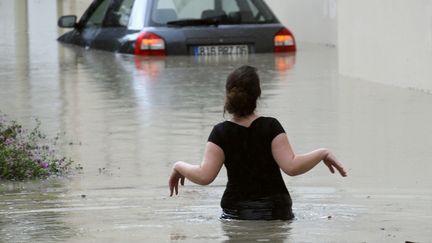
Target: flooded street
(127,119)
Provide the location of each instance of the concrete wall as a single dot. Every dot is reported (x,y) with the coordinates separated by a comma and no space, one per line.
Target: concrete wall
(313,21)
(387,41)
(76,7)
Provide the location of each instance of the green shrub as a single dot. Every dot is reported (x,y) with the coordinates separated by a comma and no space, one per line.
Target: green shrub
(28,154)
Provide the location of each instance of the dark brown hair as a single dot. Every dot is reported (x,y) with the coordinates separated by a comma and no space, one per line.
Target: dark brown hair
(242,91)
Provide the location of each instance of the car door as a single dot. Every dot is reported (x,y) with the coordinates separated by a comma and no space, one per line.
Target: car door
(103,24)
(90,24)
(114,26)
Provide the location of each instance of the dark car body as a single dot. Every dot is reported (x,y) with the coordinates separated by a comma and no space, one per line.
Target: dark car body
(179,27)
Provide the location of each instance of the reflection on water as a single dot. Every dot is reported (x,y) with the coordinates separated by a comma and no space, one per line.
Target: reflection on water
(28,212)
(126,119)
(248,231)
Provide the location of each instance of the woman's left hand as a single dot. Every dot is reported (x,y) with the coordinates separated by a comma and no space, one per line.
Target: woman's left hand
(332,163)
(173,181)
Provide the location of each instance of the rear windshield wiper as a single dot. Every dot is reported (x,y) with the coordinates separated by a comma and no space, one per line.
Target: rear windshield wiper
(194,22)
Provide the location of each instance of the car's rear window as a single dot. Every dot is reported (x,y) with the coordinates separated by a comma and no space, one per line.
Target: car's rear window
(222,11)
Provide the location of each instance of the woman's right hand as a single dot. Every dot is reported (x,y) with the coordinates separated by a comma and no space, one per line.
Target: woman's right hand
(331,162)
(174,180)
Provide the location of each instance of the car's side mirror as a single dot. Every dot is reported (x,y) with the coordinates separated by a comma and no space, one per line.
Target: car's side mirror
(68,21)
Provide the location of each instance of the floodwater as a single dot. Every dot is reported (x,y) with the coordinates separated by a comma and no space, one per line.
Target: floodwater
(125,120)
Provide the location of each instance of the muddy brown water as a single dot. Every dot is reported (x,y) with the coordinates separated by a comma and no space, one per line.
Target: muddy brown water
(127,119)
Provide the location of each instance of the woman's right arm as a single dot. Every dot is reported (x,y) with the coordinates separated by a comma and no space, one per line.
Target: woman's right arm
(294,165)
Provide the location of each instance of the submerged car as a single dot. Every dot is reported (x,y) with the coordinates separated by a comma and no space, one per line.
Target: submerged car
(179,27)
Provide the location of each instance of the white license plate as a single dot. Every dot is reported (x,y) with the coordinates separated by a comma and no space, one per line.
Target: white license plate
(221,50)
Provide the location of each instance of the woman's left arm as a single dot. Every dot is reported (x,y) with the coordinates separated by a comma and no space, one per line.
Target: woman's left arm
(202,174)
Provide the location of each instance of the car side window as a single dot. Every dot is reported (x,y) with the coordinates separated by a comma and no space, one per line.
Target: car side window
(98,15)
(119,13)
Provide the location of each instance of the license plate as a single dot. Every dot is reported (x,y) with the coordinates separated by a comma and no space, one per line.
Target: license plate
(221,50)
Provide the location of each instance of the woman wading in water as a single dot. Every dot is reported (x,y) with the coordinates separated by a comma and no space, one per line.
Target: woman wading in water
(254,150)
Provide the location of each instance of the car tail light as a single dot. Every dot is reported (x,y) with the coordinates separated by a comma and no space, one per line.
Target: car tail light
(284,41)
(149,44)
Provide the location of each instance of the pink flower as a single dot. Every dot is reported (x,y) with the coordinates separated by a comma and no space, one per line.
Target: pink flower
(44,165)
(9,141)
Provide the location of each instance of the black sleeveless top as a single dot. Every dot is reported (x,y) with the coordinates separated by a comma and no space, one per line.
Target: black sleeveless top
(254,177)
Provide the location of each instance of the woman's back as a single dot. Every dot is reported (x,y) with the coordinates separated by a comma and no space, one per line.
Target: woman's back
(253,174)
